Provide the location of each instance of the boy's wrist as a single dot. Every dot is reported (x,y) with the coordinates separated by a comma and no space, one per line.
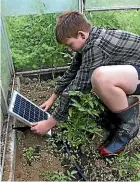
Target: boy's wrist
(51,121)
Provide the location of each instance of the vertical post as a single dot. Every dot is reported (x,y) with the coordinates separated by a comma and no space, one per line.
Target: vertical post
(80,6)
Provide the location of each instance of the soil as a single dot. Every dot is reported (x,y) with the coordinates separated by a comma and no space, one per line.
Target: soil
(47,158)
(50,158)
(44,160)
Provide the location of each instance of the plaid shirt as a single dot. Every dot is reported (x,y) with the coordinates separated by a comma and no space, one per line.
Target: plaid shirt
(103,47)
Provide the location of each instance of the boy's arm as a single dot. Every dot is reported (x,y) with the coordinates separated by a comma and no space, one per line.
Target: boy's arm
(69,75)
(92,59)
(64,81)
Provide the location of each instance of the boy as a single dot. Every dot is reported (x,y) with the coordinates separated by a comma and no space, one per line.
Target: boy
(107,61)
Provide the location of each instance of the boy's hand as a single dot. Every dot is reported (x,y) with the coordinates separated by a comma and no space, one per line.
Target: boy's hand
(42,127)
(47,104)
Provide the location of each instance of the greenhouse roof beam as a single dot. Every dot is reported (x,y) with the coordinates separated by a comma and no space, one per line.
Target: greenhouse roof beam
(112,9)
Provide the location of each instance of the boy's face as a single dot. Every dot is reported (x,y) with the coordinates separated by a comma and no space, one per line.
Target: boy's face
(76,44)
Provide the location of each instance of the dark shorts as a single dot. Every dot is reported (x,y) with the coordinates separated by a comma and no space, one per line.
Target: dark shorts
(137,91)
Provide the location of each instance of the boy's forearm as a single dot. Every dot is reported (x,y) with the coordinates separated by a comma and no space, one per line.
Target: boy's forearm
(53,96)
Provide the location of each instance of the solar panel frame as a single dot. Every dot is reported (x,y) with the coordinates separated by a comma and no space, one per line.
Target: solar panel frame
(12,106)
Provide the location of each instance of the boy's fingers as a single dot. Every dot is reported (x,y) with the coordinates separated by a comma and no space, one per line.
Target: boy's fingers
(33,128)
(34,124)
(43,105)
(46,108)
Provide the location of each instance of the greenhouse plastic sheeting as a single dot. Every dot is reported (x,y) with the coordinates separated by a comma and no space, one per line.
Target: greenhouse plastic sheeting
(112,4)
(6,70)
(25,7)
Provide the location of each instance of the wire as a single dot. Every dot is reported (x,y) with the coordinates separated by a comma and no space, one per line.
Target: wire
(74,163)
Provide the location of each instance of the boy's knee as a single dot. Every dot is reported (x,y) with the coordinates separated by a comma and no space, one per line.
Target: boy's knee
(99,77)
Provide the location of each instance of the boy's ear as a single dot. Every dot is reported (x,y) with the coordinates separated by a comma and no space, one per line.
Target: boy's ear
(81,34)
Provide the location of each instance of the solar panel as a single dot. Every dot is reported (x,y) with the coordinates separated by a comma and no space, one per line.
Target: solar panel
(25,110)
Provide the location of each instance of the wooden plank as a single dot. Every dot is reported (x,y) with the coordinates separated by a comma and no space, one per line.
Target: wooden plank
(43,71)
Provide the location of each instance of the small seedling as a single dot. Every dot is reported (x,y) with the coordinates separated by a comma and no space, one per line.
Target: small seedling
(58,176)
(29,155)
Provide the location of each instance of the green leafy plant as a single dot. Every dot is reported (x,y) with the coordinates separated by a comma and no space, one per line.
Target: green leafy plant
(82,118)
(33,43)
(124,20)
(134,163)
(58,176)
(128,166)
(29,155)
(32,39)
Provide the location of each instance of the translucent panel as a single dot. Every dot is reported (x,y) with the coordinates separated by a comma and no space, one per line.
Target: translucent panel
(1,116)
(108,4)
(25,7)
(5,69)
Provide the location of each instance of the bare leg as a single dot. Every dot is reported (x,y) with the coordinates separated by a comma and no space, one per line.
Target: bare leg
(112,83)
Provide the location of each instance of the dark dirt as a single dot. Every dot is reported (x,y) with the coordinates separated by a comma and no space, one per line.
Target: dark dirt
(95,167)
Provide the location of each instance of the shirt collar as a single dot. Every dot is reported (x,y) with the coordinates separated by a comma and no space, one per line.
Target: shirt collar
(90,41)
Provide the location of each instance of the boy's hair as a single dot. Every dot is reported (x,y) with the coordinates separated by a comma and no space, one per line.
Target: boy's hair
(69,23)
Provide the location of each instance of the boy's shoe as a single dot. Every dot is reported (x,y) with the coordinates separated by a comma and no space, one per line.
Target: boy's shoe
(126,131)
